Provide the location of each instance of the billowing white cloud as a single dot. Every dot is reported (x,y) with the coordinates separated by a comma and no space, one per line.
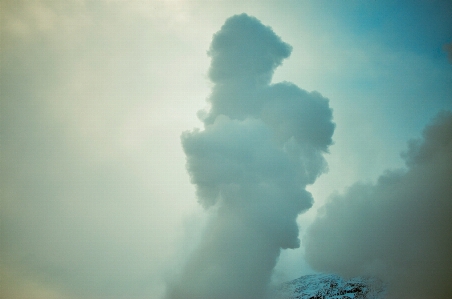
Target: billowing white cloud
(398,229)
(261,145)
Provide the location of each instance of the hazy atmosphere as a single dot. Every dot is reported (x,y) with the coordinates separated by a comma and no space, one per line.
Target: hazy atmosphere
(210,149)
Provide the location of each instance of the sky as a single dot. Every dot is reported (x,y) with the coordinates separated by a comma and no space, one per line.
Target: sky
(111,111)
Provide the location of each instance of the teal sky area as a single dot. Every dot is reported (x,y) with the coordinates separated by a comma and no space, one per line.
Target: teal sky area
(96,201)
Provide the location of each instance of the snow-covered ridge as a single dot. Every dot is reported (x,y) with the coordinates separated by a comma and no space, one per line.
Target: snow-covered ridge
(330,286)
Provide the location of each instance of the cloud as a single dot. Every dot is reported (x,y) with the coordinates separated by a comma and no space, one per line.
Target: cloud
(398,229)
(86,177)
(245,50)
(261,145)
(448,49)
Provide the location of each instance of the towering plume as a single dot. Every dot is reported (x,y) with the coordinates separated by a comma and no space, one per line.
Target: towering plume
(261,145)
(399,229)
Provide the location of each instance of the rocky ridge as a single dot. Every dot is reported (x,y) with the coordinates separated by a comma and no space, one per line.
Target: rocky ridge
(330,286)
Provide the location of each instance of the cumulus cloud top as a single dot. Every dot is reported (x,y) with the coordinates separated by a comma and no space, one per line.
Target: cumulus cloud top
(245,50)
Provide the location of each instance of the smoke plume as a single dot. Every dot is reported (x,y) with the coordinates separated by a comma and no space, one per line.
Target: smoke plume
(261,145)
(399,229)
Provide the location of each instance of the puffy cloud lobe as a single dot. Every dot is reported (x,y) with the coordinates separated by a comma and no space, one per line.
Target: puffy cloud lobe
(398,229)
(239,164)
(245,50)
(261,145)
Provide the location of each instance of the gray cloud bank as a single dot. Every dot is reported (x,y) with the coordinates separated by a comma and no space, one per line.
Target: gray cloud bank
(448,49)
(261,145)
(400,228)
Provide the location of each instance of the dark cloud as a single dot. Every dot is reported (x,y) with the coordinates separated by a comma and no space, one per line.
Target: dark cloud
(261,145)
(448,49)
(400,228)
